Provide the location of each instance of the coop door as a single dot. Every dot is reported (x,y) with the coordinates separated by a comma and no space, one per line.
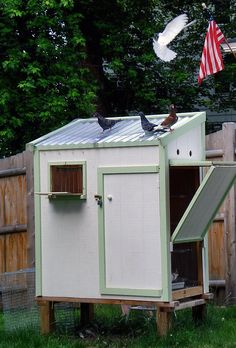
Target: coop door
(205,204)
(130,234)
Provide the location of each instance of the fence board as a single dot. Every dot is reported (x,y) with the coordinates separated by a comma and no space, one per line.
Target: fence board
(216,249)
(2,254)
(14,200)
(17,203)
(224,143)
(1,205)
(16,251)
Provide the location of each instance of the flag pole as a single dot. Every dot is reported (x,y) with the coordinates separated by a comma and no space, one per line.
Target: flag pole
(227,43)
(209,15)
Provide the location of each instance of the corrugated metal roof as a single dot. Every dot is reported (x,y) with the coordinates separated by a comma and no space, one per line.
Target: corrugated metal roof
(88,132)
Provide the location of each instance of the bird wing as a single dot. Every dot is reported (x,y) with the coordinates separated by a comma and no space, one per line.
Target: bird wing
(173,28)
(163,52)
(167,121)
(145,123)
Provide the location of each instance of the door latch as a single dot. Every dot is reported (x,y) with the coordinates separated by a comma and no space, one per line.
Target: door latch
(98,199)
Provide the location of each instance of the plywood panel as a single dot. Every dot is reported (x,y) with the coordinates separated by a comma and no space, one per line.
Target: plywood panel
(16,252)
(187,146)
(216,251)
(132,231)
(81,239)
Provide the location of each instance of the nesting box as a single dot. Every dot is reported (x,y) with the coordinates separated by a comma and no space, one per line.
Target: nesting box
(121,215)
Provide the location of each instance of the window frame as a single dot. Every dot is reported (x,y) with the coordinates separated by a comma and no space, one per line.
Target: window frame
(82,195)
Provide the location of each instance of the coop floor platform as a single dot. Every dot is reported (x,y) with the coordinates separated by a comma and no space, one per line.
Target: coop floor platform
(163,309)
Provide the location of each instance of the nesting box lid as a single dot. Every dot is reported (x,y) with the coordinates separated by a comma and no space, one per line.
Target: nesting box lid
(128,132)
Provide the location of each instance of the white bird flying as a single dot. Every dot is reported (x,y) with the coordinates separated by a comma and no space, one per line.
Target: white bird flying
(172,29)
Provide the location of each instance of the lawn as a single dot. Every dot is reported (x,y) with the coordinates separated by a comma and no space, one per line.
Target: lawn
(110,329)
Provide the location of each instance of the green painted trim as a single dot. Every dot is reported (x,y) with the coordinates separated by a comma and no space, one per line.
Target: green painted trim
(30,147)
(129,169)
(203,140)
(225,164)
(165,224)
(38,244)
(101,171)
(101,234)
(182,129)
(61,163)
(218,206)
(132,292)
(187,240)
(205,265)
(205,256)
(189,163)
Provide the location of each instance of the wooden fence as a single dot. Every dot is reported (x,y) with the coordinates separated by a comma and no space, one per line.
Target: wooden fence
(220,146)
(16,213)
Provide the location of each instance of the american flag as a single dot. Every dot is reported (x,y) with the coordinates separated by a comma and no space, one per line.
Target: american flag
(211,60)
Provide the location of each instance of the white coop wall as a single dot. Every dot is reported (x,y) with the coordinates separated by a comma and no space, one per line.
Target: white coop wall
(69,229)
(131,242)
(189,146)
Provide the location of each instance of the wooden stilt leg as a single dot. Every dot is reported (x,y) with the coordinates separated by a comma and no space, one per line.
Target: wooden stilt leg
(86,313)
(46,317)
(163,322)
(199,313)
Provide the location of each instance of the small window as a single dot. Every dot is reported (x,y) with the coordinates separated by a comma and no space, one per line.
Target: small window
(67,179)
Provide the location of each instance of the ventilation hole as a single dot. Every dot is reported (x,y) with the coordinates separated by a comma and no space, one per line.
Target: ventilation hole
(190,153)
(178,151)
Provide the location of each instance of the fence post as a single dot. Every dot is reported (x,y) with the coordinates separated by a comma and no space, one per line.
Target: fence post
(230,233)
(86,313)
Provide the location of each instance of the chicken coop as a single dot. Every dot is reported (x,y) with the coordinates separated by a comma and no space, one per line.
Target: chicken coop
(121,216)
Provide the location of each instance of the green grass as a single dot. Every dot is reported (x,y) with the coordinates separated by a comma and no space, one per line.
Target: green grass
(111,330)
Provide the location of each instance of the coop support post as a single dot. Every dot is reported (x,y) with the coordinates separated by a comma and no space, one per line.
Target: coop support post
(46,317)
(86,313)
(199,313)
(163,320)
